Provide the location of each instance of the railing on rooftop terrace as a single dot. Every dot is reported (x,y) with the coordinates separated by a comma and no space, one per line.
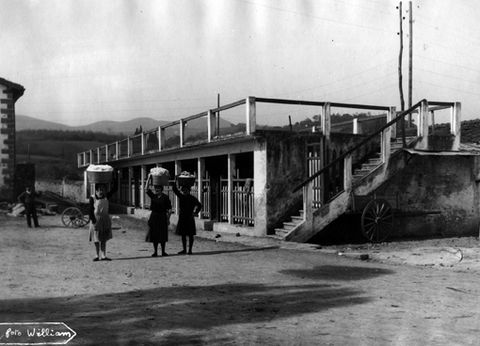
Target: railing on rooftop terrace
(177,134)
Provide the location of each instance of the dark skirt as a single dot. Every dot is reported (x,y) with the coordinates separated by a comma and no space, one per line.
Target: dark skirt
(157,228)
(186,226)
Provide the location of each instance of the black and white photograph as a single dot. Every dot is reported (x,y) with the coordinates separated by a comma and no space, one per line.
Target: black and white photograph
(239,172)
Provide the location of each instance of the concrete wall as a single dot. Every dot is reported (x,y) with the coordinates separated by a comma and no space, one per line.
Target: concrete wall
(69,189)
(286,168)
(436,183)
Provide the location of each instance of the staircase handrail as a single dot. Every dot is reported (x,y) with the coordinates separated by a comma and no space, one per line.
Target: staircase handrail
(400,116)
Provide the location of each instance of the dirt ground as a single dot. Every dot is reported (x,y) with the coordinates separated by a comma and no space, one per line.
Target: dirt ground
(239,290)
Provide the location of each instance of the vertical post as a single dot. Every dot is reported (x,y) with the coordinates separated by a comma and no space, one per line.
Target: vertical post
(200,175)
(143,170)
(391,115)
(98,155)
(456,117)
(119,185)
(308,201)
(117,150)
(387,136)
(410,54)
(106,153)
(231,172)
(129,147)
(85,185)
(142,140)
(210,125)
(251,116)
(260,192)
(400,57)
(423,126)
(178,169)
(91,157)
(84,158)
(131,196)
(355,126)
(326,121)
(347,173)
(217,115)
(182,132)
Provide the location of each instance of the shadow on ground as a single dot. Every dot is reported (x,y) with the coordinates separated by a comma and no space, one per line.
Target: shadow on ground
(186,314)
(338,273)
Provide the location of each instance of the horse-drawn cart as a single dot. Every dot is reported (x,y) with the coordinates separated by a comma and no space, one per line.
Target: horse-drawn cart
(377,215)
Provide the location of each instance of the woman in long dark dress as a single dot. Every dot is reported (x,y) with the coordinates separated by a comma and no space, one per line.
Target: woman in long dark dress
(160,206)
(189,207)
(100,221)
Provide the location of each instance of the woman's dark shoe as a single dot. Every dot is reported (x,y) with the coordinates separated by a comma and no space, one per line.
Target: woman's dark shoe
(106,259)
(190,252)
(154,254)
(164,254)
(183,252)
(96,259)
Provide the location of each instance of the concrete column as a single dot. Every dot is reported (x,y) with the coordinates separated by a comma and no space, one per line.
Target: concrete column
(117,150)
(182,133)
(347,173)
(143,170)
(107,157)
(392,113)
(200,175)
(142,140)
(231,164)
(178,170)
(251,116)
(119,186)
(90,161)
(260,189)
(85,185)
(98,155)
(307,200)
(326,121)
(455,124)
(160,138)
(355,126)
(210,125)
(131,196)
(387,137)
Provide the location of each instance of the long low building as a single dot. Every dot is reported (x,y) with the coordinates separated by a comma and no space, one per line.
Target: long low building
(280,181)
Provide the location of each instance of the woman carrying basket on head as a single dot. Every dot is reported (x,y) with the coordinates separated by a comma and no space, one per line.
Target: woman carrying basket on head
(189,207)
(161,208)
(100,221)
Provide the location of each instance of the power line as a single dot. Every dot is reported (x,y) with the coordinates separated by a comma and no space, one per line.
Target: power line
(447,63)
(329,20)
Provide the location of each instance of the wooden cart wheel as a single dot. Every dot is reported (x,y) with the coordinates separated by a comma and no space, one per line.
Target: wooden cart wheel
(73,217)
(377,220)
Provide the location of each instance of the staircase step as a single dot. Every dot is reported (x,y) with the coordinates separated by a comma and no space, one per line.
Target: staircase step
(377,161)
(290,225)
(281,231)
(297,218)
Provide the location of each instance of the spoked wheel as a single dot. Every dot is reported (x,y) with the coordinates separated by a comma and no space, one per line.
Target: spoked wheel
(377,220)
(73,217)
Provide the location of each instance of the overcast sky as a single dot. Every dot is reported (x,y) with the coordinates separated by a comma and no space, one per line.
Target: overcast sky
(82,61)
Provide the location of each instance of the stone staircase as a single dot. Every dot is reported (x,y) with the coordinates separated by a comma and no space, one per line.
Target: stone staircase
(288,226)
(359,174)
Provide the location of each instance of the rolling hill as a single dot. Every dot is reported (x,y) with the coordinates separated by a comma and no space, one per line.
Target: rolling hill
(24,122)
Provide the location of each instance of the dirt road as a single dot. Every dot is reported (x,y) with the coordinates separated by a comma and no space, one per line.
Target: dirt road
(226,293)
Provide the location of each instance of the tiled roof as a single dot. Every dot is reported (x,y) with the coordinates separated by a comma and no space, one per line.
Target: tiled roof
(17,89)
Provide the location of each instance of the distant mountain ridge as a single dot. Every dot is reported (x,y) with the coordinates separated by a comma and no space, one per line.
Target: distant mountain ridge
(24,122)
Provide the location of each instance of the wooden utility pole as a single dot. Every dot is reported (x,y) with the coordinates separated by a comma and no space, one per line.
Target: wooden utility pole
(400,85)
(410,56)
(218,115)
